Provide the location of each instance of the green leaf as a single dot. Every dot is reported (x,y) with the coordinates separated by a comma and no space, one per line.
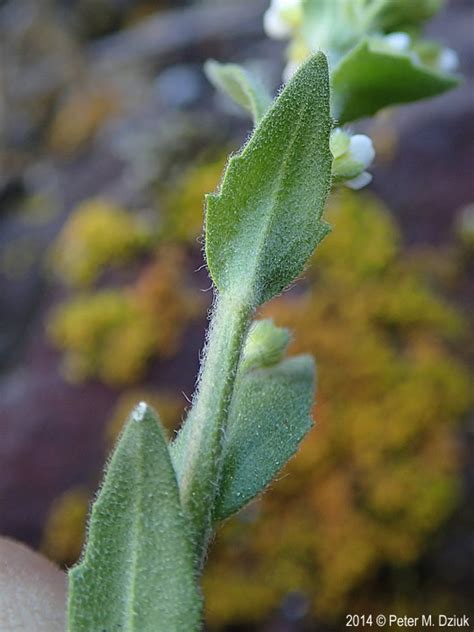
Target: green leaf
(269,416)
(367,80)
(137,573)
(396,15)
(265,222)
(240,86)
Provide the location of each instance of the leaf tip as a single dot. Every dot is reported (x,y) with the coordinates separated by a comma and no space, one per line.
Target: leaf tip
(145,416)
(139,412)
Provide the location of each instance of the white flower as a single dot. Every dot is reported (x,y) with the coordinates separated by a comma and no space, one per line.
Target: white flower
(360,181)
(361,149)
(352,155)
(274,26)
(280,18)
(398,41)
(448,60)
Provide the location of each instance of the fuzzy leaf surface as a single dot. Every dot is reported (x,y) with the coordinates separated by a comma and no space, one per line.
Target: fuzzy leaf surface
(239,85)
(137,573)
(270,414)
(265,222)
(367,80)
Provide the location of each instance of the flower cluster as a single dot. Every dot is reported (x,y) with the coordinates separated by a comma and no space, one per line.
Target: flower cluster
(388,27)
(282,18)
(352,156)
(336,27)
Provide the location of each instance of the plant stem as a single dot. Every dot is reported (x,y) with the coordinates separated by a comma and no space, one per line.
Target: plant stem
(204,429)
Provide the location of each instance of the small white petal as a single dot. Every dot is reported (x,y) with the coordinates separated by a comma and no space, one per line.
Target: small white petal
(359,181)
(362,149)
(448,61)
(399,41)
(274,26)
(289,70)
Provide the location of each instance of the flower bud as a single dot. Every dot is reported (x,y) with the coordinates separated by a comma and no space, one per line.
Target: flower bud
(398,41)
(281,18)
(266,345)
(352,156)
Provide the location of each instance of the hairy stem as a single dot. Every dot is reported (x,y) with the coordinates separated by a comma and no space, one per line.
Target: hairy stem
(202,435)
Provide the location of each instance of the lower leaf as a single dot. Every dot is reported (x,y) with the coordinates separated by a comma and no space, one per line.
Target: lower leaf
(137,573)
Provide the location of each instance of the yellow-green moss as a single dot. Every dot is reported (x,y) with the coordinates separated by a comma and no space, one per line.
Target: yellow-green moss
(183,212)
(111,334)
(65,526)
(97,234)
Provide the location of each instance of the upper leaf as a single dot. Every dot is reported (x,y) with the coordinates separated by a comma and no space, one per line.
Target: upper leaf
(240,85)
(265,222)
(137,573)
(337,25)
(395,15)
(368,79)
(269,416)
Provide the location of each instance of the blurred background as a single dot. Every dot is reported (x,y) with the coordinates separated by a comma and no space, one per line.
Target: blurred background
(110,135)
